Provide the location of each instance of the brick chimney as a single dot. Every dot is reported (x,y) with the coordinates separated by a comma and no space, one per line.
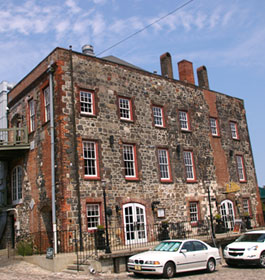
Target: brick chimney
(166,65)
(203,77)
(186,71)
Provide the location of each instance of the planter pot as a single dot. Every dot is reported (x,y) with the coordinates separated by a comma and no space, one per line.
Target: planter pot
(100,240)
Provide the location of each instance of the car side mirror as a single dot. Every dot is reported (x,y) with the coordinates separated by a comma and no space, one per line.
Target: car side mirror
(183,251)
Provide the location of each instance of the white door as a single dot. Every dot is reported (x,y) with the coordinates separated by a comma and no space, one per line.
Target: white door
(227,213)
(134,223)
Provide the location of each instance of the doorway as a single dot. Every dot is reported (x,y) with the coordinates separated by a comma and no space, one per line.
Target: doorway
(227,213)
(134,223)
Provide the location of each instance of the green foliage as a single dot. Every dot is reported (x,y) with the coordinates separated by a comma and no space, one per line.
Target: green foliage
(100,227)
(25,248)
(218,216)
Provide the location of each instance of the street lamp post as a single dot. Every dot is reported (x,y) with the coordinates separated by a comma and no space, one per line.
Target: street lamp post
(107,249)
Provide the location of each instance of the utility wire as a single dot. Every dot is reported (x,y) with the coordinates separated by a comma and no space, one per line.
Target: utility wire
(147,26)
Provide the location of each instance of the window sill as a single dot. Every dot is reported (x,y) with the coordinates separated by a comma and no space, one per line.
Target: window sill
(166,181)
(88,115)
(186,130)
(88,178)
(236,139)
(243,181)
(159,127)
(131,178)
(127,121)
(216,136)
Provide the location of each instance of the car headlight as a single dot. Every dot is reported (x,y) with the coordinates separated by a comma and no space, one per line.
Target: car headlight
(152,262)
(254,248)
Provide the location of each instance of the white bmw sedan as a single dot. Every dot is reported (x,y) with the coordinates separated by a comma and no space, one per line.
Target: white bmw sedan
(249,248)
(172,256)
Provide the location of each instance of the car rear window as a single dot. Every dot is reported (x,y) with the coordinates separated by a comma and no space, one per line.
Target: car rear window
(251,237)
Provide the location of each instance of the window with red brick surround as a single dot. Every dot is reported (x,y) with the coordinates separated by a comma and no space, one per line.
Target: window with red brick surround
(130,162)
(241,168)
(246,206)
(31,115)
(46,99)
(91,160)
(189,166)
(93,215)
(194,212)
(125,108)
(164,165)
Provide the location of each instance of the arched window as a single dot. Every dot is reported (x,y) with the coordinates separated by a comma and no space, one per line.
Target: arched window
(17,185)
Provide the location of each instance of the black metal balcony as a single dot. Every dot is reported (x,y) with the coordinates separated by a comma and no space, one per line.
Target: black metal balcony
(13,142)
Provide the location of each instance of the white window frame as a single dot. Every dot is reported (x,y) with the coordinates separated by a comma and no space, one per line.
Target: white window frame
(46,95)
(194,214)
(240,168)
(31,115)
(16,183)
(214,126)
(158,115)
(189,165)
(129,159)
(184,120)
(234,130)
(90,155)
(164,164)
(87,103)
(125,108)
(246,206)
(93,220)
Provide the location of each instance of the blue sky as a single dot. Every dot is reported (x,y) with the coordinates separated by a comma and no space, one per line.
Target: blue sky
(227,36)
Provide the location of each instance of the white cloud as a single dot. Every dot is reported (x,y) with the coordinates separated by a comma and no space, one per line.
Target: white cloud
(73,6)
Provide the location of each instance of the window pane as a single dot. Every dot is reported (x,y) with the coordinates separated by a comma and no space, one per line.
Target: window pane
(129,162)
(183,118)
(47,103)
(193,212)
(86,100)
(124,108)
(93,216)
(213,124)
(163,164)
(189,165)
(89,153)
(233,127)
(240,168)
(158,116)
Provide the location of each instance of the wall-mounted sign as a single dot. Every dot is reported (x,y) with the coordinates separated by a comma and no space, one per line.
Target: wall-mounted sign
(49,253)
(232,187)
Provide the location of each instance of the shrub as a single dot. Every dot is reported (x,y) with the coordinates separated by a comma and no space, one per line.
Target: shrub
(25,248)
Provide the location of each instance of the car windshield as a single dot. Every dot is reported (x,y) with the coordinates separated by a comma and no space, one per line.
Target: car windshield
(168,246)
(251,237)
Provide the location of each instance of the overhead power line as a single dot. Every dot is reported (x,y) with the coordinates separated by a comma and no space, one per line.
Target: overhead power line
(147,26)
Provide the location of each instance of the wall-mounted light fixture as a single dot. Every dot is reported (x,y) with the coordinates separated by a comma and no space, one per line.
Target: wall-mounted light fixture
(118,209)
(111,142)
(154,206)
(231,153)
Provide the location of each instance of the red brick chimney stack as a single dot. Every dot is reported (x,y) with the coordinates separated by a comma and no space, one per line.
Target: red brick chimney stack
(186,71)
(203,77)
(166,65)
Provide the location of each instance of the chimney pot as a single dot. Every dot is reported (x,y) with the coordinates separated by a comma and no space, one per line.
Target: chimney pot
(186,71)
(166,65)
(203,77)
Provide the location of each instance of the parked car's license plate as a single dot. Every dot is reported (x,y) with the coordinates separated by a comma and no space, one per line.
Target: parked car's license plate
(137,267)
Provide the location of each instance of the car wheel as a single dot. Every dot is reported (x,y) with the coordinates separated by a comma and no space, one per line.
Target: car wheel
(211,265)
(262,259)
(169,270)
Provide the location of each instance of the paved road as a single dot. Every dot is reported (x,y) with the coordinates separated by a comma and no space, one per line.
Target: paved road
(14,269)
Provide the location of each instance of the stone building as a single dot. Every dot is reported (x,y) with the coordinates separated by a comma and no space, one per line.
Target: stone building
(155,144)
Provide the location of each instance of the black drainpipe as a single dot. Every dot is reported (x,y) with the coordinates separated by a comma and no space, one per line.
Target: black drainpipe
(76,160)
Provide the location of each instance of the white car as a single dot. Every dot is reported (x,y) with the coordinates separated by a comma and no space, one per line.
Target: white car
(172,256)
(249,248)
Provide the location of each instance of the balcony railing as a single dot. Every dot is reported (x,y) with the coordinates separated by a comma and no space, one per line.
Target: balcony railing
(14,137)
